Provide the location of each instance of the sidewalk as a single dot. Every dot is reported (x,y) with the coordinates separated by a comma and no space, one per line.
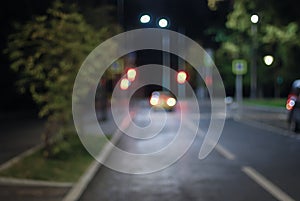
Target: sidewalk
(272,116)
(31,190)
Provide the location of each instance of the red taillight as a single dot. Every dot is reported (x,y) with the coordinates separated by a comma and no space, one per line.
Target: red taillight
(124,84)
(181,77)
(131,74)
(292,96)
(290,103)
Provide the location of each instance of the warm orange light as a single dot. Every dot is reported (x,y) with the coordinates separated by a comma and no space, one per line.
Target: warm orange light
(131,74)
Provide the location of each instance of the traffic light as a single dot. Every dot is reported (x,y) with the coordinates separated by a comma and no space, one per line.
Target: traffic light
(131,74)
(181,77)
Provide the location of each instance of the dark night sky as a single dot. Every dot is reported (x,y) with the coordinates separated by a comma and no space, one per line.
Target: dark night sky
(191,15)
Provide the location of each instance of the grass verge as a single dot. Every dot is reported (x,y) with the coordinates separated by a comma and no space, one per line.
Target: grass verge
(272,102)
(67,166)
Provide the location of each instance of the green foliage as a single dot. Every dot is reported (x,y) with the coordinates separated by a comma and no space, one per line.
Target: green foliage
(270,102)
(277,34)
(47,53)
(67,166)
(238,19)
(281,34)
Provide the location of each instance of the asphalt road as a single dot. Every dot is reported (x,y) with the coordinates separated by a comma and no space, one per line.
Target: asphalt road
(249,163)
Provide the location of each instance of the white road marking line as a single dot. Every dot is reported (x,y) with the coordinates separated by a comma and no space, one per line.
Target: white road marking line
(219,148)
(224,152)
(266,184)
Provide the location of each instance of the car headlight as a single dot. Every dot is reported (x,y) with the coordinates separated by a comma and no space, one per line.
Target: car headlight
(154,100)
(171,102)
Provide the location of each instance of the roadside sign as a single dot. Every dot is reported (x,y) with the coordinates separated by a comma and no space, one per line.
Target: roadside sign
(117,67)
(239,66)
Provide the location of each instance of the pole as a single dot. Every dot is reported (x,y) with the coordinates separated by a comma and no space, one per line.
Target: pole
(166,60)
(253,62)
(239,88)
(181,63)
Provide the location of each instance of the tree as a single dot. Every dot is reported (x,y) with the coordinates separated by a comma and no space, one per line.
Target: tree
(277,34)
(47,52)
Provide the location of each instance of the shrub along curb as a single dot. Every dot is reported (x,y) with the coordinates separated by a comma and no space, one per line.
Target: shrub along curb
(67,166)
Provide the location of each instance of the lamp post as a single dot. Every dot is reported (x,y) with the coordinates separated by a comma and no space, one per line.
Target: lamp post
(162,23)
(254,20)
(269,60)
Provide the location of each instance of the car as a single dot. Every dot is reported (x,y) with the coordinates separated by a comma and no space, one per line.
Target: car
(163,100)
(293,106)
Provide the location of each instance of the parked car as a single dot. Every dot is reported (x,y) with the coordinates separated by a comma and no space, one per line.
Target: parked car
(293,106)
(163,100)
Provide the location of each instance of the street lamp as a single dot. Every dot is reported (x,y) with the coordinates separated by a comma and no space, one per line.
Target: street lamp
(163,23)
(144,19)
(268,59)
(254,20)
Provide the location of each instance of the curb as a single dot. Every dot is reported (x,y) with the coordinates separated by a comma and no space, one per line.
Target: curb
(28,182)
(76,191)
(267,127)
(265,108)
(17,158)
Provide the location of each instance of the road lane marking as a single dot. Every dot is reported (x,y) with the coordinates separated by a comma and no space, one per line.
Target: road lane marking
(224,152)
(219,148)
(266,184)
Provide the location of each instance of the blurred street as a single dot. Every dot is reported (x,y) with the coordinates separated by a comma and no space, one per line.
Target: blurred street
(250,162)
(108,67)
